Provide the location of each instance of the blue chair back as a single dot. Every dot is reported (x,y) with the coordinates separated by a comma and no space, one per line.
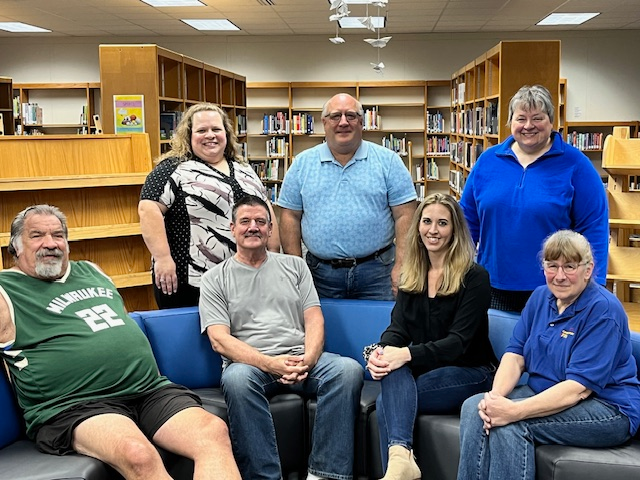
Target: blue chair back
(350,325)
(183,354)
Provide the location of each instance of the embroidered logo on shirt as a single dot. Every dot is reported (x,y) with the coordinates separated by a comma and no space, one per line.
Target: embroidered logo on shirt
(566,333)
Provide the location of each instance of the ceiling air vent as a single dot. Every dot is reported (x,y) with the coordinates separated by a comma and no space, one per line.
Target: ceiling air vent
(267,2)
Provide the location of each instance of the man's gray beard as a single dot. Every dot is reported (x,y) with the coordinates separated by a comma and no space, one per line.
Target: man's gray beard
(50,269)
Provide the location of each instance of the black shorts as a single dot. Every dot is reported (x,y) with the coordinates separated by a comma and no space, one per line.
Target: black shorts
(149,411)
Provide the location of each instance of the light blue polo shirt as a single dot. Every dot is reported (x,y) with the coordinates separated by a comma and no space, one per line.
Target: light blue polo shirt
(346,210)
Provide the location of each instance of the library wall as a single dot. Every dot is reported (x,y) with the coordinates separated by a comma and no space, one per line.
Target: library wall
(602,81)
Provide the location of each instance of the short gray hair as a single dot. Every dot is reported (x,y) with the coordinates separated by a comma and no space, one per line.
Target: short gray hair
(325,107)
(17,225)
(529,98)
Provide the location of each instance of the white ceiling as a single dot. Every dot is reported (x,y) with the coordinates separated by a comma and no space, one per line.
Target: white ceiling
(125,18)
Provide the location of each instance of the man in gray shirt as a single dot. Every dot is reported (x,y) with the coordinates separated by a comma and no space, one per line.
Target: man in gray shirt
(261,312)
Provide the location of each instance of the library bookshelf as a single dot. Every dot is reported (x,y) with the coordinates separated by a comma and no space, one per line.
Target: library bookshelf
(621,160)
(55,108)
(6,106)
(99,198)
(396,115)
(170,83)
(480,95)
(590,137)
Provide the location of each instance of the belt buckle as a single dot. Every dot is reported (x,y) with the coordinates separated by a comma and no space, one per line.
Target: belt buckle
(344,263)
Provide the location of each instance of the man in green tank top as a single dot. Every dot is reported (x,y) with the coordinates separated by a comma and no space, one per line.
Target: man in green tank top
(83,371)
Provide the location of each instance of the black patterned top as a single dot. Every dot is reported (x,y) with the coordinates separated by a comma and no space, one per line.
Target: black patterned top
(199,199)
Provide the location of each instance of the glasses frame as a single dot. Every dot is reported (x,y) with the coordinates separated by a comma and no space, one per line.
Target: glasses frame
(549,267)
(337,119)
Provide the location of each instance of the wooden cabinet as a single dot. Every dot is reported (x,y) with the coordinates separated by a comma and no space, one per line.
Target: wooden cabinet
(95,180)
(590,137)
(6,106)
(396,115)
(480,96)
(171,83)
(56,108)
(621,160)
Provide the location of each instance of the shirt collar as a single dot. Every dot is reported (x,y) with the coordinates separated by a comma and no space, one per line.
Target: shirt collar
(361,154)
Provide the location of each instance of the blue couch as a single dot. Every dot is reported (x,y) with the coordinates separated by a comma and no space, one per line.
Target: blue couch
(186,357)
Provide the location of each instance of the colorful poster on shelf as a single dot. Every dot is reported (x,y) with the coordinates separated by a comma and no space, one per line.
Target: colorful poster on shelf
(128,113)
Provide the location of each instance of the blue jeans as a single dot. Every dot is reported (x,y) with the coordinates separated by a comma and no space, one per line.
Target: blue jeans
(508,452)
(335,381)
(439,391)
(370,280)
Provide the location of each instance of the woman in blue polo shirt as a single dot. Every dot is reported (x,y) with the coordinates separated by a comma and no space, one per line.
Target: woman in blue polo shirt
(583,390)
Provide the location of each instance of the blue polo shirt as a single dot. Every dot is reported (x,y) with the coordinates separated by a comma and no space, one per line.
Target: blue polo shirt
(346,210)
(589,343)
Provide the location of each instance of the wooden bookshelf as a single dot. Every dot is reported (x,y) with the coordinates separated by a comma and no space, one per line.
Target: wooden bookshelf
(480,95)
(401,105)
(621,160)
(95,180)
(589,137)
(66,108)
(6,106)
(170,82)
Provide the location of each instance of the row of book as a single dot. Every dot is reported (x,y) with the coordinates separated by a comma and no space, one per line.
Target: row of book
(31,114)
(277,147)
(634,183)
(277,124)
(456,181)
(397,144)
(476,121)
(435,122)
(465,153)
(241,124)
(168,123)
(372,119)
(586,141)
(302,123)
(267,170)
(438,145)
(272,192)
(432,173)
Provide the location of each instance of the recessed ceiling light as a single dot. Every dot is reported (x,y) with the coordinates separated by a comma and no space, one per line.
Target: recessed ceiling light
(174,3)
(210,24)
(567,18)
(354,22)
(20,27)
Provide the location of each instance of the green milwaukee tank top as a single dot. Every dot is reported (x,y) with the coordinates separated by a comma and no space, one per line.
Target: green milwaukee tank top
(74,343)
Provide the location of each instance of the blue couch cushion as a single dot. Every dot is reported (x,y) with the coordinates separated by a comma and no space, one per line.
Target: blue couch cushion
(183,354)
(10,416)
(350,325)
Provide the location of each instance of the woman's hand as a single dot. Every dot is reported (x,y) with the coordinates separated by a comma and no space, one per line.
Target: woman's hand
(385,360)
(377,366)
(165,273)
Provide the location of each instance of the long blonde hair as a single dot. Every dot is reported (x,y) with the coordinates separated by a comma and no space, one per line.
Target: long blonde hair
(458,259)
(181,140)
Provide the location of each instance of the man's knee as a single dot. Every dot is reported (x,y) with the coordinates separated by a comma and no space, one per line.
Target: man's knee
(237,377)
(214,428)
(139,456)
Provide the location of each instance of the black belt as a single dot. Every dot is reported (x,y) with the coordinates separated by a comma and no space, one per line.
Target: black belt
(352,262)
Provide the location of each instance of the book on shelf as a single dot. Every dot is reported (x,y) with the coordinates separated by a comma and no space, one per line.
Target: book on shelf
(491,118)
(372,119)
(168,123)
(397,144)
(241,124)
(438,145)
(277,124)
(456,181)
(276,147)
(419,173)
(433,172)
(420,191)
(302,124)
(267,170)
(435,122)
(31,114)
(586,141)
(272,192)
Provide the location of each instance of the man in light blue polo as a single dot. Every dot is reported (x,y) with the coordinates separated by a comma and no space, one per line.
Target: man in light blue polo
(347,200)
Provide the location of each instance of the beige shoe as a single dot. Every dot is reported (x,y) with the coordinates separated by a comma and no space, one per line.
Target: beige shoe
(402,465)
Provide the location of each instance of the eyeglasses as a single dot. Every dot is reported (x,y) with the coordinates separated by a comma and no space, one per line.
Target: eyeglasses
(335,117)
(568,268)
